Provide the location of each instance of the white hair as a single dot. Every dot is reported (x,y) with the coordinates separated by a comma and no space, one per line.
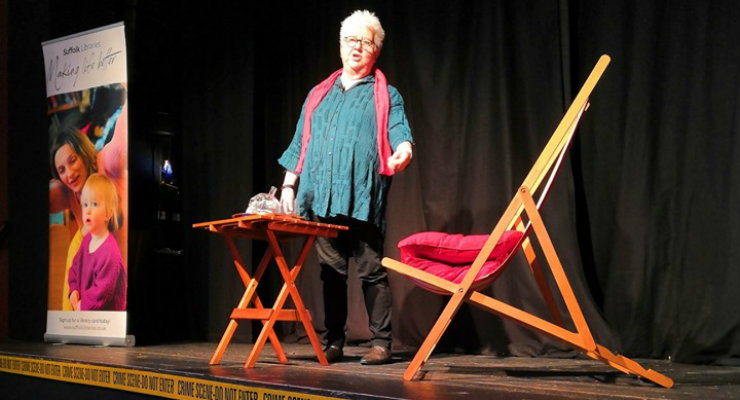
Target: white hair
(363,19)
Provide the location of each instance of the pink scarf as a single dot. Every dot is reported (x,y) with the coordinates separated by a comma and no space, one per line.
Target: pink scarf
(382,108)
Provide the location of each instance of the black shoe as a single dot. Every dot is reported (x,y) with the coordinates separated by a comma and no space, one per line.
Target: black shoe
(333,354)
(377,355)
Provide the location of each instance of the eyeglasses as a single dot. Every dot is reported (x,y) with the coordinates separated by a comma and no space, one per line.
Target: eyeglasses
(353,41)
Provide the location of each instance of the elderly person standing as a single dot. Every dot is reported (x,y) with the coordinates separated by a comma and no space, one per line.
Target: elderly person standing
(351,137)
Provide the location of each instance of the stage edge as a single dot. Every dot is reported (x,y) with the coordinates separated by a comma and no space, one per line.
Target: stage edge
(151,383)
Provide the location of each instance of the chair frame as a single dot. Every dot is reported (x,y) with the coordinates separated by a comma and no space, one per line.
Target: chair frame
(521,209)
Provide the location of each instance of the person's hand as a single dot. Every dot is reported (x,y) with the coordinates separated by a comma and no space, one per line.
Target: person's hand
(401,158)
(74,300)
(287,199)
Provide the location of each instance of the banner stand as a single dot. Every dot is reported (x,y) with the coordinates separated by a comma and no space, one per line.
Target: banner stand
(87,99)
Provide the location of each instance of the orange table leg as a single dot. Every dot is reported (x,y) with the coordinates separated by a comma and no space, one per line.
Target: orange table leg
(287,289)
(303,314)
(251,287)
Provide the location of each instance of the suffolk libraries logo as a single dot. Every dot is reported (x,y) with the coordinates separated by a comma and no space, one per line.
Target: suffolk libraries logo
(77,48)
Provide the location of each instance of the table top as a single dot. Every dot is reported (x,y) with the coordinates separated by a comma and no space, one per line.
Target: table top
(255,226)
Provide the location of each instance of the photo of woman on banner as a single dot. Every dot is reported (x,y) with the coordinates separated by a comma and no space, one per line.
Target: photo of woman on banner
(87,135)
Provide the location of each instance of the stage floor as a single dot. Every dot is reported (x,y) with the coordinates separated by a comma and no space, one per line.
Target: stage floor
(181,371)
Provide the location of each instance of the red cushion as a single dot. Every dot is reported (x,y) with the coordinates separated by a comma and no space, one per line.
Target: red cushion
(450,256)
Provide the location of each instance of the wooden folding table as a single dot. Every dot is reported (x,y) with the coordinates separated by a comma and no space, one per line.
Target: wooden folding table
(273,228)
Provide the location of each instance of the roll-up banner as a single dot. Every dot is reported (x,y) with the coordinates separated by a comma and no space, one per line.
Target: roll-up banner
(88,187)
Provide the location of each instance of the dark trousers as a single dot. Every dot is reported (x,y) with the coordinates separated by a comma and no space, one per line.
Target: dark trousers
(363,242)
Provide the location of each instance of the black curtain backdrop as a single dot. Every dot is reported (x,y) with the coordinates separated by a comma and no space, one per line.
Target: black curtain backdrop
(645,214)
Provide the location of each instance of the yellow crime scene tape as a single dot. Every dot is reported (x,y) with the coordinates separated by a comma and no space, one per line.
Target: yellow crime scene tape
(151,383)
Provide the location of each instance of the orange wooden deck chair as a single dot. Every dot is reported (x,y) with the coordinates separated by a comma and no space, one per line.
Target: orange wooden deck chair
(511,234)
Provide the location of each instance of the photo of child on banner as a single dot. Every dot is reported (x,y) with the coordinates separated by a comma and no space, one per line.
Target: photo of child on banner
(97,279)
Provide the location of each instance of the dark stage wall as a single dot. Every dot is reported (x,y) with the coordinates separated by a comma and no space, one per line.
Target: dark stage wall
(645,214)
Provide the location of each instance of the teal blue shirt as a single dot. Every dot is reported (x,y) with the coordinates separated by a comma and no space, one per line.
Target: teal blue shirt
(340,171)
